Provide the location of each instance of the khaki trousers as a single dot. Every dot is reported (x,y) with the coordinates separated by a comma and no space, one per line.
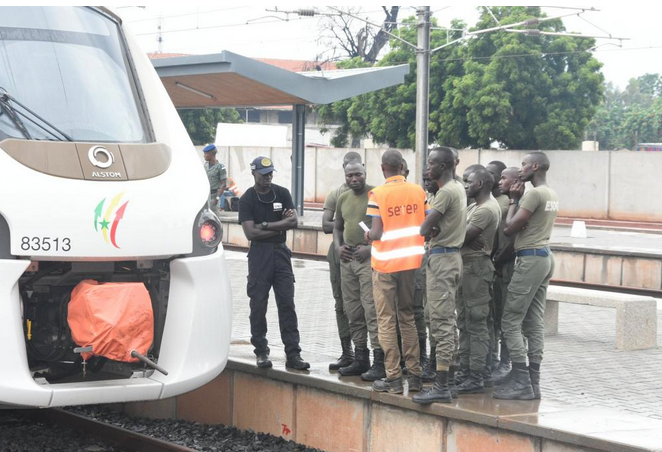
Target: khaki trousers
(336,289)
(394,301)
(420,300)
(359,304)
(443,277)
(503,274)
(473,307)
(525,307)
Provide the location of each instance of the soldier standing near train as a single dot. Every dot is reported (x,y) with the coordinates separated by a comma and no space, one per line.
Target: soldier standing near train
(330,204)
(475,292)
(531,216)
(504,265)
(446,224)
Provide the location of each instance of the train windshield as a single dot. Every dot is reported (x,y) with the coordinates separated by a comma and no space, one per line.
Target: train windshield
(64,75)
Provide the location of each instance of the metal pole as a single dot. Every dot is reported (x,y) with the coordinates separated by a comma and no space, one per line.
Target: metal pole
(422,89)
(298,157)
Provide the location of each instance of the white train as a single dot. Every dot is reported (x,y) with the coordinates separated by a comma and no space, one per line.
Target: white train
(99,181)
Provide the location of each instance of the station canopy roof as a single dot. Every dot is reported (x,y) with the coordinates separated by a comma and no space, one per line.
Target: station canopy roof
(230,80)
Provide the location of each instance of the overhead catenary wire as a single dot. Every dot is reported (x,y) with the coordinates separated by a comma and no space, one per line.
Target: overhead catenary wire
(181,30)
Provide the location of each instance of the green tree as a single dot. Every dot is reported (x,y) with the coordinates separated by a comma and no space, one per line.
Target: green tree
(631,116)
(526,92)
(201,123)
(389,115)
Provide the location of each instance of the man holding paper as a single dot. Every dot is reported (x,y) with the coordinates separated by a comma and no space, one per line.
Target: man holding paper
(356,274)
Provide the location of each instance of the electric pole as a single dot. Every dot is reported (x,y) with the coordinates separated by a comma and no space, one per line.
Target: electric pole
(422,90)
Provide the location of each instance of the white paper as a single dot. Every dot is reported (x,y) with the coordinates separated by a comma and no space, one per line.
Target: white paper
(364,227)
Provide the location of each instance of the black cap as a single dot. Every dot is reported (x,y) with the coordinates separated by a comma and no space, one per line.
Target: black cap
(262,165)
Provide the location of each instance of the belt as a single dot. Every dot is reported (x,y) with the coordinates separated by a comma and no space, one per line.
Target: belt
(443,250)
(269,244)
(542,252)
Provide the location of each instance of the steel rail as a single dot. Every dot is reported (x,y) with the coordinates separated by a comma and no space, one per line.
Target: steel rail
(125,439)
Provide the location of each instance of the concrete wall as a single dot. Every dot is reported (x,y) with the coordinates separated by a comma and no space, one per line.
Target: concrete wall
(334,421)
(599,185)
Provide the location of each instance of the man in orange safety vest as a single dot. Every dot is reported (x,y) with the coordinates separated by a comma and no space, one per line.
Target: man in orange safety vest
(397,209)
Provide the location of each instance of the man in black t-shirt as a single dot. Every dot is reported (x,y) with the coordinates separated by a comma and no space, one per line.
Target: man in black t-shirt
(266,213)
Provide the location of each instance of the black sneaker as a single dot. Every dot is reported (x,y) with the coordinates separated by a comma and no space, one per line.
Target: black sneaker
(263,361)
(385,385)
(295,362)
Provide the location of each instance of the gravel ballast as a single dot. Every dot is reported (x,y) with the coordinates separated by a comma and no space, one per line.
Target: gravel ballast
(202,437)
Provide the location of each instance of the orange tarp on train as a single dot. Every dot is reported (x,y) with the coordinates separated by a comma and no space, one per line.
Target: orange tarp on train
(114,318)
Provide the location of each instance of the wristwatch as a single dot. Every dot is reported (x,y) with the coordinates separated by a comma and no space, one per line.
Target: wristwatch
(264,225)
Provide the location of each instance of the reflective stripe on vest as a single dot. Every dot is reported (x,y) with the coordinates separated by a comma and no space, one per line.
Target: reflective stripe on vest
(398,254)
(401,207)
(395,234)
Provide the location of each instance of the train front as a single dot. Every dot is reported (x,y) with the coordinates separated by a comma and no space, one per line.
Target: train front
(113,284)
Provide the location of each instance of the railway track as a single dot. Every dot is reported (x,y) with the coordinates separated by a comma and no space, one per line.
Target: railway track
(557,282)
(122,439)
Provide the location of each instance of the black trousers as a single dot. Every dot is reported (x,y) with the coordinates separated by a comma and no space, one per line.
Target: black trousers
(269,265)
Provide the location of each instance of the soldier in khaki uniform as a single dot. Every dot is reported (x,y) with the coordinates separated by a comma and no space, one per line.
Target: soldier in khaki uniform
(217,175)
(504,264)
(430,367)
(495,168)
(473,298)
(525,306)
(446,224)
(356,275)
(330,204)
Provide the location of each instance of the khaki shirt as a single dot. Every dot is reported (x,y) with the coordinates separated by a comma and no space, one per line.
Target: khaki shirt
(331,200)
(543,203)
(451,202)
(501,241)
(216,173)
(353,208)
(487,217)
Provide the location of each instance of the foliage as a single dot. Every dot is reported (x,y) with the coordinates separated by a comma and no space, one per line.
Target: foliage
(201,123)
(631,116)
(524,92)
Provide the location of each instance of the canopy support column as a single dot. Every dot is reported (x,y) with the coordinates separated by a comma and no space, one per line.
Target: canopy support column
(298,156)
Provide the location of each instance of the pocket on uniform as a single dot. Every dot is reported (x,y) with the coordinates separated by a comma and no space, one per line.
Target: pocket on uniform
(519,289)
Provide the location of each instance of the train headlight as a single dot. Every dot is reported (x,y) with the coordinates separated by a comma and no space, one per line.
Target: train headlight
(210,229)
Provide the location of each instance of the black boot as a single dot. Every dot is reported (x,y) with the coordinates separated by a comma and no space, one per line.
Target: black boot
(452,387)
(461,375)
(535,381)
(423,358)
(439,391)
(377,371)
(360,364)
(501,373)
(518,386)
(347,356)
(430,370)
(472,385)
(488,382)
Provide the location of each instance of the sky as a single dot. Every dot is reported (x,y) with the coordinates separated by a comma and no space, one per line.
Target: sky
(261,32)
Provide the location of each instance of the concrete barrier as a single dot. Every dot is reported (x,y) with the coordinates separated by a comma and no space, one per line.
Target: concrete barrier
(636,316)
(338,415)
(612,184)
